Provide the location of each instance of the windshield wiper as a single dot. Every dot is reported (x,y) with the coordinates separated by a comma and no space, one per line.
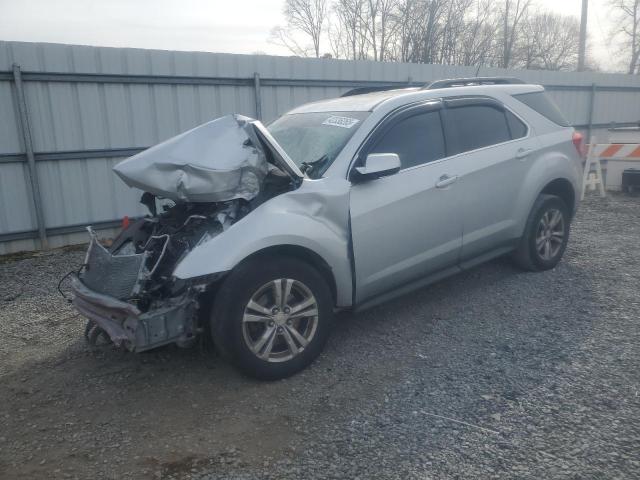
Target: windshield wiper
(309,167)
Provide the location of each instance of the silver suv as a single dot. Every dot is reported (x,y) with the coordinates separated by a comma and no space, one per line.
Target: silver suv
(256,235)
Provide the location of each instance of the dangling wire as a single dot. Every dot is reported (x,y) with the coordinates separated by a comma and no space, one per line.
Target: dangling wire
(66,275)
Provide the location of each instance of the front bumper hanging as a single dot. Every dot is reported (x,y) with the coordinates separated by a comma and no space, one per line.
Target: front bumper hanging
(127,326)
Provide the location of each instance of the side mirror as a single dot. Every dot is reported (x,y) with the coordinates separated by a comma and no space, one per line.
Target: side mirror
(378,165)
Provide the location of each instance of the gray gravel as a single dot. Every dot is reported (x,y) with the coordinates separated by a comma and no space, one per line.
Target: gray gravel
(493,373)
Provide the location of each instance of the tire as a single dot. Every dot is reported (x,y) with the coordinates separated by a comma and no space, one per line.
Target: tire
(531,253)
(265,338)
(96,336)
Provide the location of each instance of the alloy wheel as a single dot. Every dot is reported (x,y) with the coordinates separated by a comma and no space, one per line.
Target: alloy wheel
(550,234)
(280,320)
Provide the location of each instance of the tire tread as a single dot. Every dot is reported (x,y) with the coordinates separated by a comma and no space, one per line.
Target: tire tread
(522,256)
(226,307)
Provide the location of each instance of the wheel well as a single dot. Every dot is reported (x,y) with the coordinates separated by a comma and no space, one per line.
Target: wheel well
(305,255)
(561,187)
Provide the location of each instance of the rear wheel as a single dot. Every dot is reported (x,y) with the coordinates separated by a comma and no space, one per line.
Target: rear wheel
(272,317)
(545,236)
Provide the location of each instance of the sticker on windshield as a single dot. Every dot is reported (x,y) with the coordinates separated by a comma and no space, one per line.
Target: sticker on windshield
(344,122)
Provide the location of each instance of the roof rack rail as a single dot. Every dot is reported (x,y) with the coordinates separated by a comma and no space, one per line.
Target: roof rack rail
(464,82)
(380,88)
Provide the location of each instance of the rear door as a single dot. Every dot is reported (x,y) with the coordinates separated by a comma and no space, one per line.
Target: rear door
(494,154)
(406,225)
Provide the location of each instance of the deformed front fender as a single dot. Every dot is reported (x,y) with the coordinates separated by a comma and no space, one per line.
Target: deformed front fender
(315,216)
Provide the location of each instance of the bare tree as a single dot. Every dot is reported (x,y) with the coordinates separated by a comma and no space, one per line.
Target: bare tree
(509,33)
(409,24)
(371,22)
(305,16)
(286,37)
(380,25)
(455,20)
(477,40)
(556,41)
(388,25)
(629,17)
(339,43)
(348,33)
(512,15)
(432,15)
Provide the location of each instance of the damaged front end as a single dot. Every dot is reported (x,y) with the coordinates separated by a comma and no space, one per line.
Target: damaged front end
(128,289)
(196,186)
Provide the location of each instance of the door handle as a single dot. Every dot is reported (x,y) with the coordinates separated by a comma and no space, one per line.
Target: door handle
(446,180)
(523,153)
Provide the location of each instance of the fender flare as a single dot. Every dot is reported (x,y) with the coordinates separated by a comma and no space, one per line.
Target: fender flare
(549,169)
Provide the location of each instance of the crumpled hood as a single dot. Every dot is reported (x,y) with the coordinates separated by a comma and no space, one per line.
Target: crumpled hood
(218,161)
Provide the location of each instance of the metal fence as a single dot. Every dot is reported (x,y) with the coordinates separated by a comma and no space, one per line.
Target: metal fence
(69,113)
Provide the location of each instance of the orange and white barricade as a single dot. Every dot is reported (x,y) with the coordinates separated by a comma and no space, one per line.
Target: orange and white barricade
(597,152)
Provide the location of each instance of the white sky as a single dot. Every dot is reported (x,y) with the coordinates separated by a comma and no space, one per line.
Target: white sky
(233,26)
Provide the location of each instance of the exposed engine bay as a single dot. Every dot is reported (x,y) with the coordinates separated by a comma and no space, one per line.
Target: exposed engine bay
(127,291)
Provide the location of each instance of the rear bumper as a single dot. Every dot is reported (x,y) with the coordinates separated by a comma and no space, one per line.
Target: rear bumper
(173,322)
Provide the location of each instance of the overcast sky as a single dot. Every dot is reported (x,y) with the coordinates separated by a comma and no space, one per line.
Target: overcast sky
(233,26)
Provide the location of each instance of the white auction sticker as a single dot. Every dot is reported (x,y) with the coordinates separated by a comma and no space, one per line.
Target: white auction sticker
(344,122)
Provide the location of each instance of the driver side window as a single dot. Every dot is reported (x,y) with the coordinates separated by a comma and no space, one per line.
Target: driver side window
(417,139)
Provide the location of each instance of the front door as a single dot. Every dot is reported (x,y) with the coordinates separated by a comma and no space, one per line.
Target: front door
(407,225)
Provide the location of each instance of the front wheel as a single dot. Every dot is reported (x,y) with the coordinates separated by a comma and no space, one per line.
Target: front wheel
(545,236)
(272,316)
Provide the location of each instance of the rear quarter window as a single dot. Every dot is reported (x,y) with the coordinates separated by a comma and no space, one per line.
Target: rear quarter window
(517,128)
(541,103)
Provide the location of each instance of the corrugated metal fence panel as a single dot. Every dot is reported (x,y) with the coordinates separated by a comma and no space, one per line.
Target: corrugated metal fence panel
(9,132)
(614,106)
(93,115)
(15,199)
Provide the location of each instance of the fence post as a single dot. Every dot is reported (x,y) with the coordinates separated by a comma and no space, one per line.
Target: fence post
(31,161)
(592,101)
(256,90)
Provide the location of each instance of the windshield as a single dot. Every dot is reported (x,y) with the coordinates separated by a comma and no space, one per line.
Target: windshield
(314,140)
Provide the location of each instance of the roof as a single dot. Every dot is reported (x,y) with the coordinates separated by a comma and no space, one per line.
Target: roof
(369,101)
(354,103)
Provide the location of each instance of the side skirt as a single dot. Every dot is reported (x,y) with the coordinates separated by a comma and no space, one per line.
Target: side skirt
(485,257)
(407,288)
(435,277)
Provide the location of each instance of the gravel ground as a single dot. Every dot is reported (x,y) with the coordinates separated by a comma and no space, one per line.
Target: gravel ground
(493,373)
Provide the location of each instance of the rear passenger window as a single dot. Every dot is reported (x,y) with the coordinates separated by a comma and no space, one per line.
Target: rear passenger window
(516,127)
(479,126)
(417,139)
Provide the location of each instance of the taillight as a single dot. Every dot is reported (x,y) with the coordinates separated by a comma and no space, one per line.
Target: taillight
(125,222)
(578,142)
